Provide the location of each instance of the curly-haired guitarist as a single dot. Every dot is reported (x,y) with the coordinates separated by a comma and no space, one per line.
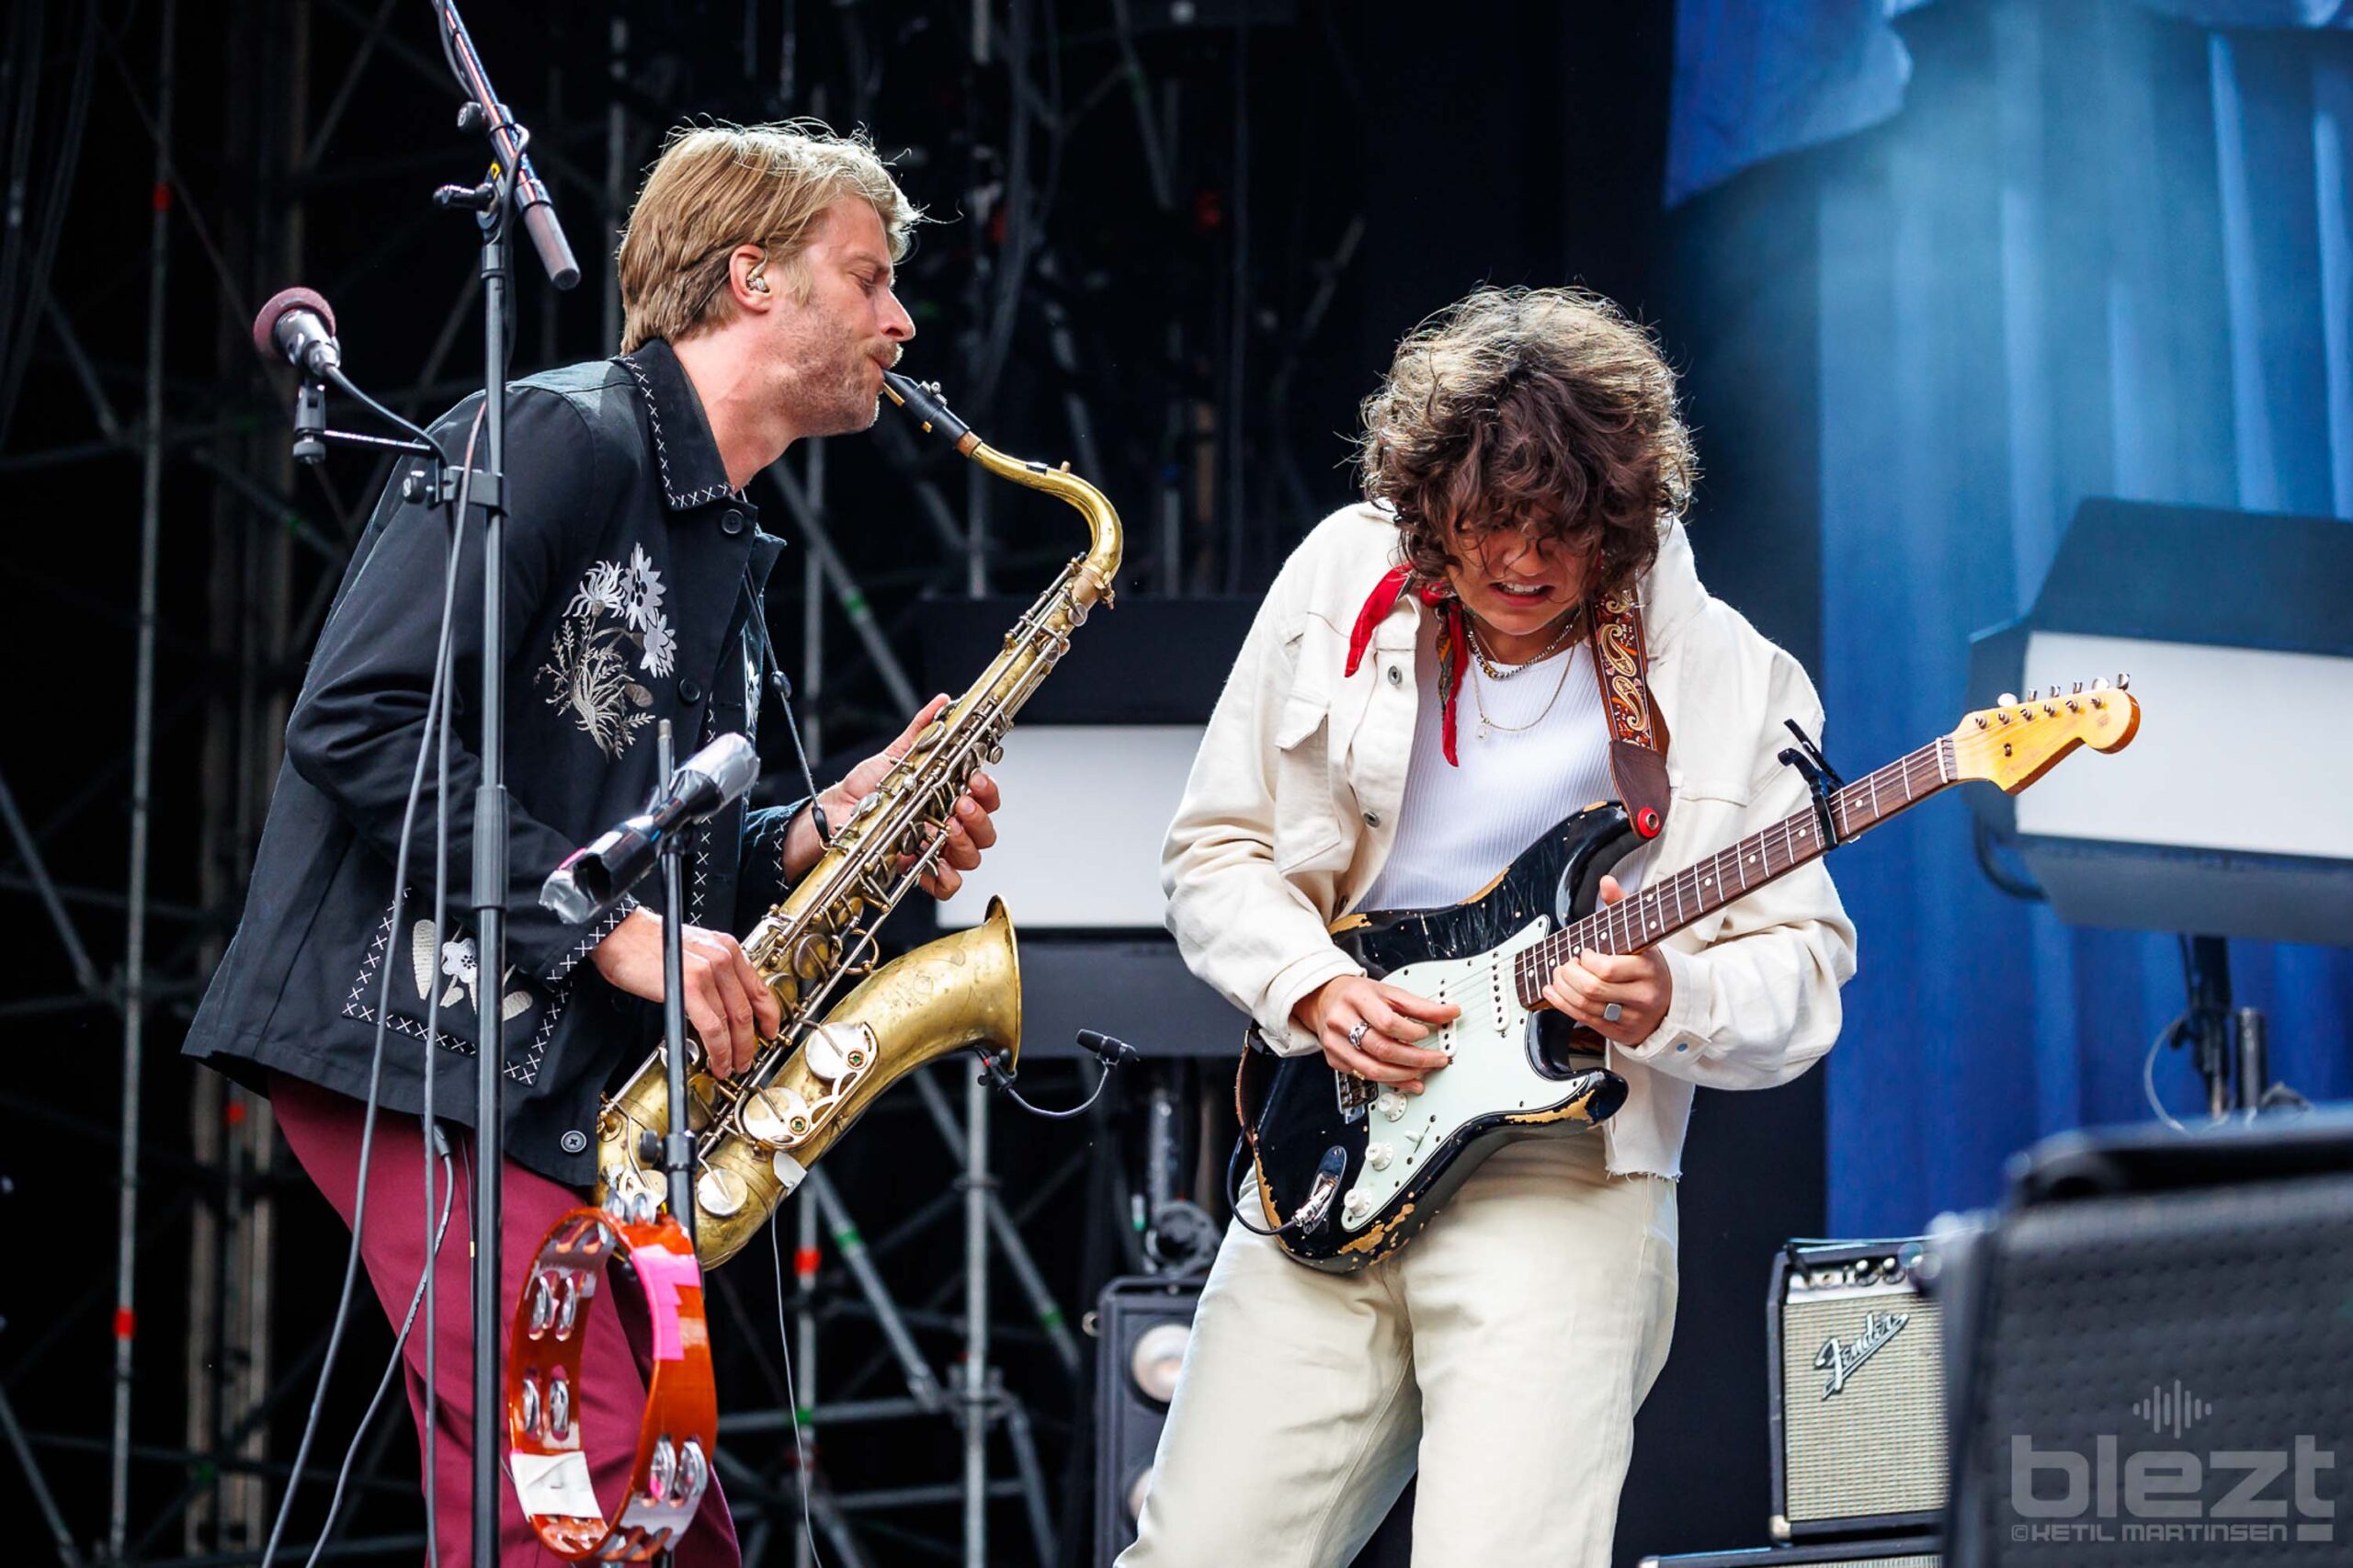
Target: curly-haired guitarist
(1417,703)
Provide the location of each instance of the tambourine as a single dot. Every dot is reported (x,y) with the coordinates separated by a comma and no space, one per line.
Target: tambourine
(680,1432)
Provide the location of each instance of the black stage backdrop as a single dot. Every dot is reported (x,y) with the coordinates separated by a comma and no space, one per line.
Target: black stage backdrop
(1318,177)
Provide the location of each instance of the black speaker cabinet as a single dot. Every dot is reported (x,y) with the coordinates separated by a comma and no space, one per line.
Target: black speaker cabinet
(1142,1325)
(1856,1403)
(2154,1349)
(1906,1551)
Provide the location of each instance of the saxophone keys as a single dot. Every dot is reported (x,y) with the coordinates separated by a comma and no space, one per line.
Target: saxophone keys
(815,956)
(832,1049)
(774,1116)
(720,1193)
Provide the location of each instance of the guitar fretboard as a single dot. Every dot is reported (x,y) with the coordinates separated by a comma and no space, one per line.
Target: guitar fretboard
(1696,892)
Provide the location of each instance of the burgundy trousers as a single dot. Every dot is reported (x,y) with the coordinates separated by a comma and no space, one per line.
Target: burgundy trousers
(322,1129)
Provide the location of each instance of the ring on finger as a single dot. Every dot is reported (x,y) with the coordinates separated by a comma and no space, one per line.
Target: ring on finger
(1612,1013)
(1357,1031)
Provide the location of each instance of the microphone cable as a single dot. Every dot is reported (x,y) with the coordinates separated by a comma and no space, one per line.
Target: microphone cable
(801,1466)
(436,720)
(435,1145)
(1106,1049)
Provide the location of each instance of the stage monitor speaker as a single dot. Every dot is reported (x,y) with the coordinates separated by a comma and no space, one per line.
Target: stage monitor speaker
(1906,1551)
(1856,1403)
(1141,1326)
(2154,1353)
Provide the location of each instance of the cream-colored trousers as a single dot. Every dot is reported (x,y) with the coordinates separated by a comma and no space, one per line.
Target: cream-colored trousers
(1502,1352)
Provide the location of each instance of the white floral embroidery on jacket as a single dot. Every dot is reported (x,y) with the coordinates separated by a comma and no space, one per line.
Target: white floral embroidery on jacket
(589,672)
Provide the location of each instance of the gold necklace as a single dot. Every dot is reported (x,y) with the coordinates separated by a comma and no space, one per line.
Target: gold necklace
(1487,724)
(1486,663)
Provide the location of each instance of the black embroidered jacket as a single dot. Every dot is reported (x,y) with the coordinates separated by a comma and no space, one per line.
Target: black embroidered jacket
(630,575)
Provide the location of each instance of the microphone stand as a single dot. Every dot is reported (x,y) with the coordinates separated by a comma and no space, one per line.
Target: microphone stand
(678,1144)
(494,205)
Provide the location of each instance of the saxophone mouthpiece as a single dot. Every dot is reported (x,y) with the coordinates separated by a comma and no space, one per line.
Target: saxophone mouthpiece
(925,401)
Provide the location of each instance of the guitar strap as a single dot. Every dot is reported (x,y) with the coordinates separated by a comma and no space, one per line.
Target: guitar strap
(1638,735)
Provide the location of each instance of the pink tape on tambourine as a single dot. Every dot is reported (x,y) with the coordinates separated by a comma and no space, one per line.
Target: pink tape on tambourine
(664,1274)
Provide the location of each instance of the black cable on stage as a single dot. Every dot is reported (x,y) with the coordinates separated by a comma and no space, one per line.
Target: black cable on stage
(437,701)
(433,1133)
(782,687)
(433,1143)
(800,1447)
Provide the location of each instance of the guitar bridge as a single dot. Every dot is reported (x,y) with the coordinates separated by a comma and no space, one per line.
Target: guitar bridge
(1356,1093)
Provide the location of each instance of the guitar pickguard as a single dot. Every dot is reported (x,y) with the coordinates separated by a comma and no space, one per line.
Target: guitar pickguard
(1489,1071)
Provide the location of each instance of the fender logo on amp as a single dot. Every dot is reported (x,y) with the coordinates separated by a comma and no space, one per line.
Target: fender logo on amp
(1842,1361)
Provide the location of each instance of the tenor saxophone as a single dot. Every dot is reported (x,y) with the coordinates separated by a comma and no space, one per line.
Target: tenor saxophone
(851,1029)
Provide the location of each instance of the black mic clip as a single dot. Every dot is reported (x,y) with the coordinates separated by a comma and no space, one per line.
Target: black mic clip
(1807,758)
(311,421)
(475,198)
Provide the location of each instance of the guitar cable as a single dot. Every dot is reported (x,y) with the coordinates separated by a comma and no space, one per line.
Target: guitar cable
(1234,1180)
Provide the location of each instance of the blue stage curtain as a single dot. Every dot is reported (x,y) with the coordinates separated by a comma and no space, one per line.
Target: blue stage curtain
(1753,81)
(2100,251)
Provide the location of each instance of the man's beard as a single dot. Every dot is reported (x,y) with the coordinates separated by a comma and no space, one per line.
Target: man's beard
(828,392)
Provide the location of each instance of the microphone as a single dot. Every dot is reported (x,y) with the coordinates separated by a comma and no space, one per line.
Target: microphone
(297,325)
(590,878)
(1110,1049)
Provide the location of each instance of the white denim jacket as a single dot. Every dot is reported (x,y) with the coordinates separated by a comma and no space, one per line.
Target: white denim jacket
(1292,806)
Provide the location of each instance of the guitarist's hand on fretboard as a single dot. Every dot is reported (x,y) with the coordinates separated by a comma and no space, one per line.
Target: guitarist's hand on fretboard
(1638,983)
(1394,1019)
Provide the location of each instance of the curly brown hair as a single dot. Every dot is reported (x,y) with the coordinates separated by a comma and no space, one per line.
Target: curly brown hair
(1543,409)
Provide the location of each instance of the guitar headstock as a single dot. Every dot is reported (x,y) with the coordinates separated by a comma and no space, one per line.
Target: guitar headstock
(2014,744)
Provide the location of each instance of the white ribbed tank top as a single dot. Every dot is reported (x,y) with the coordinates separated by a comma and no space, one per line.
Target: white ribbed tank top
(1461,826)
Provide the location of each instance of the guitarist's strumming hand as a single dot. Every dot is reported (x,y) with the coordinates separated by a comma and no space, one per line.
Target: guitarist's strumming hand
(1394,1019)
(1638,983)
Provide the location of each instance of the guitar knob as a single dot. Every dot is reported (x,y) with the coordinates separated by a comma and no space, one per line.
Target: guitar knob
(1391,1104)
(1359,1203)
(1378,1155)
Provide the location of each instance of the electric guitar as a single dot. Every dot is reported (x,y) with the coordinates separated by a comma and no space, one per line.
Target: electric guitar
(1350,1170)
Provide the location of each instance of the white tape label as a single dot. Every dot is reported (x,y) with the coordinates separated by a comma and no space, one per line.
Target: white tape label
(554,1484)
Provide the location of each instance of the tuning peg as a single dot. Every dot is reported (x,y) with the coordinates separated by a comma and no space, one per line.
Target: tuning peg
(2079,688)
(2100,684)
(2123,682)
(2008,700)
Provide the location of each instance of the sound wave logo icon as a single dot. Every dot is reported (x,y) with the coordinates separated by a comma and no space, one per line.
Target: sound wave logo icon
(2174,1410)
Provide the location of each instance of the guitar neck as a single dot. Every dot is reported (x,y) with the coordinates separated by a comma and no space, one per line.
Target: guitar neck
(1697,891)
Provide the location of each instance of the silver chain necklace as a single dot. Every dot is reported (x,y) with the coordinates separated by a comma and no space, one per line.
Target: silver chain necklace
(1487,665)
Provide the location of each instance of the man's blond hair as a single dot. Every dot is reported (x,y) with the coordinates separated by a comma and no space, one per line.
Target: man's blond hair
(717,186)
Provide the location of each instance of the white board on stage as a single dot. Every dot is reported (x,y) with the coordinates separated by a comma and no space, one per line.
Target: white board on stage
(2243,749)
(1086,808)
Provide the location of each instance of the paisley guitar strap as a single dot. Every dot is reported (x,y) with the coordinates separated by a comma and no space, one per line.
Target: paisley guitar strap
(1638,736)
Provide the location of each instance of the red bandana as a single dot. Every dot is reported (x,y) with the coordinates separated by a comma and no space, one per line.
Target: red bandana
(1453,647)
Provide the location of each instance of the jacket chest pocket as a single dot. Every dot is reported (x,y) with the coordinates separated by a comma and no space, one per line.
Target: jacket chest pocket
(1307,833)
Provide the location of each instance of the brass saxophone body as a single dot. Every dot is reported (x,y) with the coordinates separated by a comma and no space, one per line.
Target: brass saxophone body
(850,1028)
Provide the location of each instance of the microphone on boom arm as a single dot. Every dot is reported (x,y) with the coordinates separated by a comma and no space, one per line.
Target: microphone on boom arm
(590,878)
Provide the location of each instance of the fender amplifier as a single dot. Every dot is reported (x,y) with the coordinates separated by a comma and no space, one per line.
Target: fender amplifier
(1857,1391)
(1909,1551)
